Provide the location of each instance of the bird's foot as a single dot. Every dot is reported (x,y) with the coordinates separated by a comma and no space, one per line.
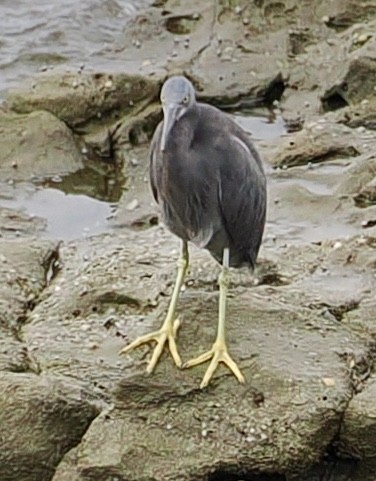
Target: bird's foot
(218,353)
(166,334)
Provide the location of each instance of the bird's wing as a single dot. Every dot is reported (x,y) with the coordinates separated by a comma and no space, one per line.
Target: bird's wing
(154,167)
(242,195)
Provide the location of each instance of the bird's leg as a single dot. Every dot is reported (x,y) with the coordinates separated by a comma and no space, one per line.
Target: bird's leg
(219,353)
(168,331)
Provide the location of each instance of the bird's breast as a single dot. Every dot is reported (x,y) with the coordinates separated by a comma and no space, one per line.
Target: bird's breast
(188,200)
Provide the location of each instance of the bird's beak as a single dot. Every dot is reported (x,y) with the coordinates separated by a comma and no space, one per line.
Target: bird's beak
(171,115)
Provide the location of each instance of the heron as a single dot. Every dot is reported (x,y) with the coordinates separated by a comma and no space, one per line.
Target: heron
(209,182)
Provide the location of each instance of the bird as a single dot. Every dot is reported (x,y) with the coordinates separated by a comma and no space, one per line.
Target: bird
(209,182)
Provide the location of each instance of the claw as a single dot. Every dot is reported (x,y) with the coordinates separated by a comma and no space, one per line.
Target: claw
(166,334)
(218,353)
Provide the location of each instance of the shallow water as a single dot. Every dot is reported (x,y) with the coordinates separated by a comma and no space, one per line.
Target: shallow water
(262,127)
(40,34)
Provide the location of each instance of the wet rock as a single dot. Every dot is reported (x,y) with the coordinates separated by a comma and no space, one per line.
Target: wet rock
(23,271)
(367,195)
(361,115)
(14,223)
(37,144)
(146,214)
(41,418)
(341,14)
(318,142)
(332,73)
(97,98)
(131,131)
(24,267)
(102,299)
(358,429)
(359,178)
(356,84)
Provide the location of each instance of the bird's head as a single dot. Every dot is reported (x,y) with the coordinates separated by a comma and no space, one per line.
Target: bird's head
(177,96)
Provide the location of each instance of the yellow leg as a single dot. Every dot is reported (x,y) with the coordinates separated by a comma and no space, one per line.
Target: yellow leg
(168,331)
(219,353)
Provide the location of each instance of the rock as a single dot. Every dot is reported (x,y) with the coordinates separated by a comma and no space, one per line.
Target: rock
(318,142)
(341,14)
(331,74)
(146,214)
(360,115)
(367,195)
(359,178)
(41,418)
(14,223)
(356,84)
(97,99)
(104,298)
(24,270)
(130,131)
(358,429)
(24,265)
(36,145)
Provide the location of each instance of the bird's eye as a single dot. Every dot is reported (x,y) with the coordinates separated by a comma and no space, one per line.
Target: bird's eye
(185,99)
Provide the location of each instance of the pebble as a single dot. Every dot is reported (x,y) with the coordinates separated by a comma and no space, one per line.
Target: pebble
(132,205)
(84,150)
(134,162)
(363,38)
(245,21)
(238,10)
(108,83)
(56,179)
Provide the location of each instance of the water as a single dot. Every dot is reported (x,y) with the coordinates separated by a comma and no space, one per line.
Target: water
(68,216)
(262,127)
(43,33)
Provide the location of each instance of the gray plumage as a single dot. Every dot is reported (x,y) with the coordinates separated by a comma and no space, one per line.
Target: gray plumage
(207,177)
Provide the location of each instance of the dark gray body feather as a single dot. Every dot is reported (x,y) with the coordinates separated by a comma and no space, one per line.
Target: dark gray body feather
(210,184)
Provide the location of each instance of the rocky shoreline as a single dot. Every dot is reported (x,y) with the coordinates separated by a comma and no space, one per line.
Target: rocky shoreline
(303,328)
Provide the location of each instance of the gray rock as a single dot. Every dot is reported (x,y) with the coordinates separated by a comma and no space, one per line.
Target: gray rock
(37,144)
(13,223)
(358,429)
(296,361)
(24,267)
(98,98)
(320,141)
(41,418)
